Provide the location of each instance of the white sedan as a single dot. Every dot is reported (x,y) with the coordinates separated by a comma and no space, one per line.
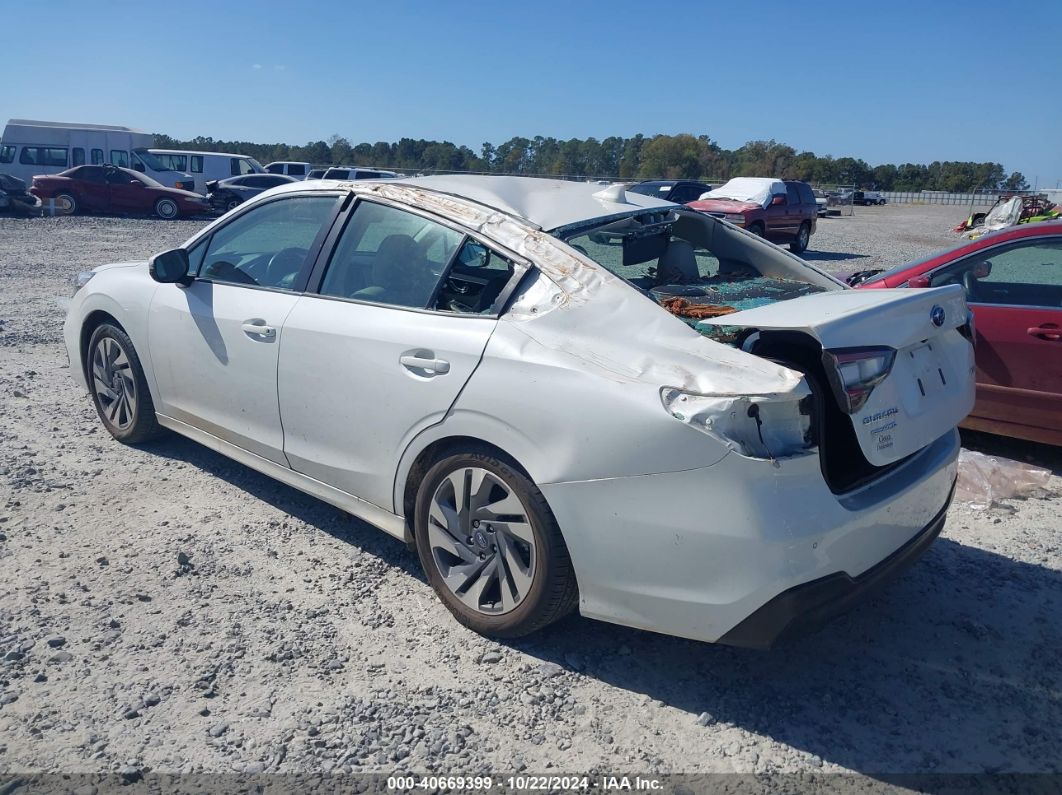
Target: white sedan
(563,395)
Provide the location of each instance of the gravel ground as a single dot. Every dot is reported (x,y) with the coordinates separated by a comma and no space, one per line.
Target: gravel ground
(165,609)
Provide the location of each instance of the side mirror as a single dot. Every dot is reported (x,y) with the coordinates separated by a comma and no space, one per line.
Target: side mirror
(918,281)
(779,199)
(170,267)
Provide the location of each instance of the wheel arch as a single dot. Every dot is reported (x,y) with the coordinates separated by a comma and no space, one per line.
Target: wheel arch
(430,448)
(92,321)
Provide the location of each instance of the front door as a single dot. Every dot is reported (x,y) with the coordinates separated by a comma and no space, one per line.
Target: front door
(404,311)
(214,343)
(1016,294)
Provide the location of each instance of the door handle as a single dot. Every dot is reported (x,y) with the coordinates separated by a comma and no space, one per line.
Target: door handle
(431,365)
(1046,332)
(258,329)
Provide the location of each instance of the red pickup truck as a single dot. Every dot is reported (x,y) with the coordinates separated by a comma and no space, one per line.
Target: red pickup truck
(783,211)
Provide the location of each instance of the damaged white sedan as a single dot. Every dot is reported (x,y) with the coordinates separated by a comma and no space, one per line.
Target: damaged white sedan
(564,396)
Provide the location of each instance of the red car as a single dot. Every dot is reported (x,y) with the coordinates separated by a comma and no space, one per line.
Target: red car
(1013,281)
(109,189)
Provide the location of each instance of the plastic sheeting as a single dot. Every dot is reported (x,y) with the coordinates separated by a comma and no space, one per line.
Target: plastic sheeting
(758,190)
(985,480)
(999,217)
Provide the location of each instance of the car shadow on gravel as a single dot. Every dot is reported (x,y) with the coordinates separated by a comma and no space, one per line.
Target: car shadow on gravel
(954,668)
(829,256)
(291,501)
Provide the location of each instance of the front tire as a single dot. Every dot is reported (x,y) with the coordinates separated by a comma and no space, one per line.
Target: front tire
(167,209)
(491,548)
(70,199)
(800,245)
(757,229)
(118,387)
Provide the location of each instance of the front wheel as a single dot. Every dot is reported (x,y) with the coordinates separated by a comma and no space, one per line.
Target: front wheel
(491,548)
(757,229)
(166,209)
(118,387)
(69,200)
(803,237)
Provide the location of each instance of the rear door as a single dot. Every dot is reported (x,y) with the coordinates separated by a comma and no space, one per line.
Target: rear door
(214,344)
(125,196)
(93,192)
(404,308)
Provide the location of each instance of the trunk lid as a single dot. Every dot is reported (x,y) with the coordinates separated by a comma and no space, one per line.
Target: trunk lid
(930,385)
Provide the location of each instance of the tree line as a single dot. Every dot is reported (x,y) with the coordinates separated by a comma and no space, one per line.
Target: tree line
(639,157)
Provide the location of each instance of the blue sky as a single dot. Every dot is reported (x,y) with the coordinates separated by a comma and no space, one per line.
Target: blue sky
(888,82)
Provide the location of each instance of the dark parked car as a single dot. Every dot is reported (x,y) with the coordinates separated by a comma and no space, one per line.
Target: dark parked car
(1013,281)
(680,191)
(317,173)
(110,189)
(224,194)
(781,211)
(14,197)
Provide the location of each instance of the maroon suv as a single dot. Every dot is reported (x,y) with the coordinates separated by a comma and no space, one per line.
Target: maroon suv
(783,211)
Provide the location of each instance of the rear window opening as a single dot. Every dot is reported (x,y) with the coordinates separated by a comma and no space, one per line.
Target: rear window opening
(695,268)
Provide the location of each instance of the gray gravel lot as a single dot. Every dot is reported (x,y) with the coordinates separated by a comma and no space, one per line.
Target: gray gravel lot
(166,609)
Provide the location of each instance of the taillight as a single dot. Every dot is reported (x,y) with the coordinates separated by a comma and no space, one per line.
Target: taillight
(854,372)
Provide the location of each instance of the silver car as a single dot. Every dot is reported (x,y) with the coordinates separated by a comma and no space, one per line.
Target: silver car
(564,395)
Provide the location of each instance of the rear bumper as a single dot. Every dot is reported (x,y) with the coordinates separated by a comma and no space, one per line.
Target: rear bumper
(698,552)
(808,607)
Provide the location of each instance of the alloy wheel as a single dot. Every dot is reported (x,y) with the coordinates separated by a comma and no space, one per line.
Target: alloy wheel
(481,541)
(113,383)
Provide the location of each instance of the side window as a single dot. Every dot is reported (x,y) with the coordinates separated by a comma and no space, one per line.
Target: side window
(245,167)
(475,280)
(197,164)
(119,158)
(792,195)
(275,168)
(79,156)
(234,166)
(296,170)
(91,174)
(7,153)
(42,156)
(267,246)
(1023,274)
(806,196)
(389,256)
(97,157)
(28,156)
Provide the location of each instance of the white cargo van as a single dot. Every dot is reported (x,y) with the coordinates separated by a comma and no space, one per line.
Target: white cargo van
(29,148)
(203,166)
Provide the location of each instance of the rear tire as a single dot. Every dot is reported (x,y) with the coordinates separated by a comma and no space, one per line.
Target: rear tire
(118,387)
(800,244)
(70,199)
(167,209)
(490,546)
(232,204)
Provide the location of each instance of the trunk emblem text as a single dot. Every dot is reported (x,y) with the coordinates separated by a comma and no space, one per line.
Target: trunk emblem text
(880,415)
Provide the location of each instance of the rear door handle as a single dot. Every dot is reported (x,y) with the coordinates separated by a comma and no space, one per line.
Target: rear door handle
(258,328)
(431,365)
(1046,332)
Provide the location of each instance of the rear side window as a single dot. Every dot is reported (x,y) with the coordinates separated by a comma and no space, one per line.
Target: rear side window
(7,153)
(97,157)
(792,194)
(366,174)
(275,168)
(197,164)
(389,256)
(42,156)
(806,194)
(79,156)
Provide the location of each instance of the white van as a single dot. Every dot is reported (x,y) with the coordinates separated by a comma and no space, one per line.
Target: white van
(30,148)
(290,168)
(203,166)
